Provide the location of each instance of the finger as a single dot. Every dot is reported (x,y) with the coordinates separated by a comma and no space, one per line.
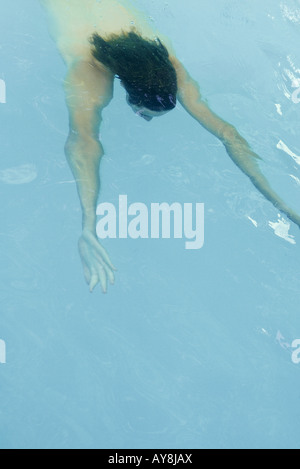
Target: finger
(94,282)
(108,270)
(87,274)
(111,276)
(103,253)
(83,251)
(103,279)
(103,261)
(99,249)
(86,270)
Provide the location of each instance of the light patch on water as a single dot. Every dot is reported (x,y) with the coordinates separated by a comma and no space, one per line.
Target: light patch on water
(291,14)
(292,77)
(282,146)
(23,174)
(295,179)
(145,160)
(286,93)
(264,332)
(278,108)
(253,221)
(294,67)
(281,229)
(288,75)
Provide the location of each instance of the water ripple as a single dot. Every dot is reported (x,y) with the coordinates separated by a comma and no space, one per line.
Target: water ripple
(23,174)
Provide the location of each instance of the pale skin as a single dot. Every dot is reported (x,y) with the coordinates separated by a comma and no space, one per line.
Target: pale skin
(89,89)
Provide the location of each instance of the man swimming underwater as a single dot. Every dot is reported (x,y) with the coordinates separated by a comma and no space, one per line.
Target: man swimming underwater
(101,40)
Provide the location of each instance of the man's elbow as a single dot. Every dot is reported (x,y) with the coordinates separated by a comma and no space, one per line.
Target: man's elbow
(229,134)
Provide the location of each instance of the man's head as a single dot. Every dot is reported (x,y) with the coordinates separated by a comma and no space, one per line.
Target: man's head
(143,111)
(144,68)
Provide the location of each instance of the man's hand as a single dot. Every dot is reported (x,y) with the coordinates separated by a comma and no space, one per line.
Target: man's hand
(89,89)
(96,263)
(237,147)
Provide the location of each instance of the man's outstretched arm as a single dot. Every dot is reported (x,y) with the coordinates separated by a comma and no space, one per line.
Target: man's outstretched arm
(237,147)
(88,91)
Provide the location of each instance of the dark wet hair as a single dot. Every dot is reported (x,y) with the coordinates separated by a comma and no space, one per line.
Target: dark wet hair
(143,66)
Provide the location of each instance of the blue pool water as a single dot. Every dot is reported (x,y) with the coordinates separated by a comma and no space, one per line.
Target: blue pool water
(190,349)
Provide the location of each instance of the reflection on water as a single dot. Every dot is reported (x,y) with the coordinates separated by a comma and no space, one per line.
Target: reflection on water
(23,174)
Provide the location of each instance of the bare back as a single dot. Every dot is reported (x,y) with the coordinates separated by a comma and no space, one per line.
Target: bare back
(72,23)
